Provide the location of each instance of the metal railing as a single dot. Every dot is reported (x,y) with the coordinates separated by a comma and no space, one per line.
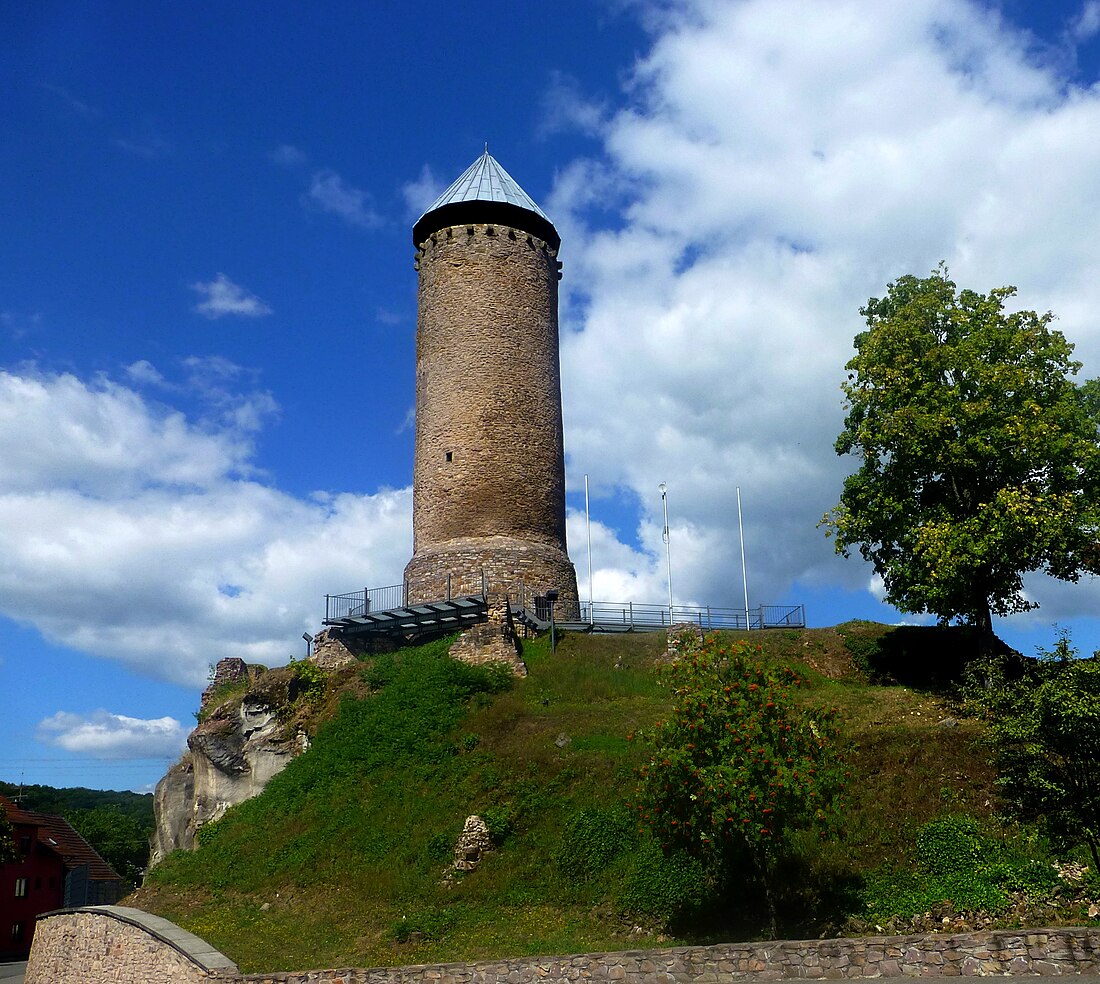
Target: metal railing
(707,617)
(364,602)
(630,615)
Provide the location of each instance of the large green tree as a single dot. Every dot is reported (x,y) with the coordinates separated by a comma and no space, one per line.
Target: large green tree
(979,456)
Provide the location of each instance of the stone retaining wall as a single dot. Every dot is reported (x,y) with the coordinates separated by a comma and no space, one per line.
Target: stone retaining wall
(1047,951)
(114,944)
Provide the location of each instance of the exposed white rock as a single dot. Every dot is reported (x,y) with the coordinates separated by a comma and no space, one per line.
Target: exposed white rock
(231,757)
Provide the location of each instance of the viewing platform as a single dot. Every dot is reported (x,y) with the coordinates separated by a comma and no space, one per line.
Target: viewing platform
(387,611)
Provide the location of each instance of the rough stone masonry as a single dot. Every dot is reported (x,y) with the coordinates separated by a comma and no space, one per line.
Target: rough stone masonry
(489,471)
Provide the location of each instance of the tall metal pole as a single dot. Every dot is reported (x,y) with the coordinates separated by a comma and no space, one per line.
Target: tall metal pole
(588,523)
(744,574)
(668,549)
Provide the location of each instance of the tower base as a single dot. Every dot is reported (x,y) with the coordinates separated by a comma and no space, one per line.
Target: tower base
(471,565)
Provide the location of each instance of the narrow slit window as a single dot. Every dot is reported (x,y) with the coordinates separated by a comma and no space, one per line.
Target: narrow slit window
(450,456)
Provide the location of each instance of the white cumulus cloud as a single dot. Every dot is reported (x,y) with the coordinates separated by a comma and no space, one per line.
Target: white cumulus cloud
(221,297)
(107,735)
(329,192)
(167,553)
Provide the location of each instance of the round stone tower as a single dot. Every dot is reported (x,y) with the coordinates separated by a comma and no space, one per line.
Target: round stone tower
(489,472)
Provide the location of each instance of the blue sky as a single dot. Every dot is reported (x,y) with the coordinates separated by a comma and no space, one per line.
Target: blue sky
(207,300)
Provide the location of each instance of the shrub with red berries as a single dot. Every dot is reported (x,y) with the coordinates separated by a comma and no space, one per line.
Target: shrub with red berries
(740,763)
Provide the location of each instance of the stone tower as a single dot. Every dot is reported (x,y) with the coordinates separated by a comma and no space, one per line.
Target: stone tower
(489,472)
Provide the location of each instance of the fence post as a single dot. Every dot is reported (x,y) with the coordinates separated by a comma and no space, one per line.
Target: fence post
(632,614)
(710,624)
(405,601)
(326,609)
(484,586)
(448,587)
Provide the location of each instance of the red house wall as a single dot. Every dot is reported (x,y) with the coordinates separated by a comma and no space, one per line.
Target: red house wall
(43,872)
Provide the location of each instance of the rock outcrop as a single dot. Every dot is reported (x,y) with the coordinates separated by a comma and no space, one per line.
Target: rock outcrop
(245,736)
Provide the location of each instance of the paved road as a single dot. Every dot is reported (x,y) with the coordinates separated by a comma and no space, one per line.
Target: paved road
(12,973)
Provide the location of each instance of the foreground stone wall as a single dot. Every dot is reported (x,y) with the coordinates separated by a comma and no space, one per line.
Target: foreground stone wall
(114,944)
(1050,951)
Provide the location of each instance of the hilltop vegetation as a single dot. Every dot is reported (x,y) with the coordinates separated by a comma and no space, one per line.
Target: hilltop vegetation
(343,860)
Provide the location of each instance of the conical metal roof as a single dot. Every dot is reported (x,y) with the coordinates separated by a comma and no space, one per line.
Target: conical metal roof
(486,181)
(485,192)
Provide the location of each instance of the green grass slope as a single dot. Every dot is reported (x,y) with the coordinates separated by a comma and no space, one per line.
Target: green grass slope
(342,860)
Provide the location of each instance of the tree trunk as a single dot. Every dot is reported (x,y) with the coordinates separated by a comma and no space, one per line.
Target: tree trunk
(983,622)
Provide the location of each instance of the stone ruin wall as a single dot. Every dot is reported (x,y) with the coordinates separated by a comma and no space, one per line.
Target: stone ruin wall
(493,641)
(117,945)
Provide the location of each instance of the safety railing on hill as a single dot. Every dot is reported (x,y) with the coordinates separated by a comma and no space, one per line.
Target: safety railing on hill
(707,617)
(629,615)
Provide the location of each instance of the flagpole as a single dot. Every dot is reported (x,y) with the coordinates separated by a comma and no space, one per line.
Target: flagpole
(588,523)
(744,574)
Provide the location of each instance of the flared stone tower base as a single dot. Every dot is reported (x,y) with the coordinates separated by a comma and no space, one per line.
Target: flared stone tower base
(503,564)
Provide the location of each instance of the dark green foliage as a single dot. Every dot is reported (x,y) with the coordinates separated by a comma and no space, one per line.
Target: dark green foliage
(669,886)
(116,823)
(1047,745)
(501,821)
(927,657)
(962,861)
(592,839)
(8,850)
(117,837)
(311,679)
(739,765)
(62,802)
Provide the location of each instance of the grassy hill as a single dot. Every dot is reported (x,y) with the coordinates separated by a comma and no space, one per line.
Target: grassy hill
(342,860)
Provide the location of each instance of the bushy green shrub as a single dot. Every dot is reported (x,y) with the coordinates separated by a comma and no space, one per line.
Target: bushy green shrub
(500,820)
(312,680)
(739,765)
(962,861)
(592,839)
(668,887)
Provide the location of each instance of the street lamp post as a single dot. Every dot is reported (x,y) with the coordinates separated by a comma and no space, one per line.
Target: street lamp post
(668,550)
